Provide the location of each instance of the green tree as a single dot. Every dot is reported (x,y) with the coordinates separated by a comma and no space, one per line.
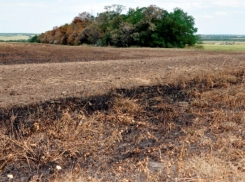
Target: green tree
(181,29)
(33,39)
(147,26)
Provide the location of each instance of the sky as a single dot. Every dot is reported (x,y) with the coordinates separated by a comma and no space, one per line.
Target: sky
(37,16)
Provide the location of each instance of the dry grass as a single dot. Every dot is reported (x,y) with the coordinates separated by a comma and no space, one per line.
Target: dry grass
(189,127)
(165,119)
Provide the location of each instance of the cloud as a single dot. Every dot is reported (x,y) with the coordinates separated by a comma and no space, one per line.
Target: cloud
(221,13)
(42,15)
(230,3)
(204,16)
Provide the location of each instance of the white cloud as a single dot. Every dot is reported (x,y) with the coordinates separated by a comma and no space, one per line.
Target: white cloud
(41,15)
(221,13)
(204,16)
(230,3)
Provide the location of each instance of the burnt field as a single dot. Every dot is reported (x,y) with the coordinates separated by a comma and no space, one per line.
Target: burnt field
(107,114)
(17,53)
(95,70)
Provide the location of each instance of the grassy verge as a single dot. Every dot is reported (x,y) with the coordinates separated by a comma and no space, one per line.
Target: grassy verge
(14,37)
(190,128)
(217,47)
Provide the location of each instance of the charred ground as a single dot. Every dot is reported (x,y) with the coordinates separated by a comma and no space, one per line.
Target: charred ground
(184,123)
(17,53)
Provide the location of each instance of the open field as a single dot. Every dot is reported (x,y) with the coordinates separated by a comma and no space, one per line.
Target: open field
(84,70)
(223,42)
(229,48)
(220,46)
(8,37)
(107,114)
(224,47)
(23,53)
(15,37)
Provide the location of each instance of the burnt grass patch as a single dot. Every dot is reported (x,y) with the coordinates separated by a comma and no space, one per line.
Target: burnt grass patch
(23,53)
(121,134)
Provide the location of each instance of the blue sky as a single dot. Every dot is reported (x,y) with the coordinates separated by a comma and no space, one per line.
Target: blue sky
(36,16)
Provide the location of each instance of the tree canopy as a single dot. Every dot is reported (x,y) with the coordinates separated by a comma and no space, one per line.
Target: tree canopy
(147,26)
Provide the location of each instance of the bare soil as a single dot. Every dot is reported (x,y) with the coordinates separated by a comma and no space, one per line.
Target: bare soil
(30,83)
(163,115)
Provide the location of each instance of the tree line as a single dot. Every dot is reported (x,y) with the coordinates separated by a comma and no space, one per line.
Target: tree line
(233,38)
(147,27)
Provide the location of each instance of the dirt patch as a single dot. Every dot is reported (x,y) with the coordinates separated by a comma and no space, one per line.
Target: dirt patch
(30,83)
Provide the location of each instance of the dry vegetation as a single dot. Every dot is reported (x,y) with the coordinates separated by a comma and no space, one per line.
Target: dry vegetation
(187,124)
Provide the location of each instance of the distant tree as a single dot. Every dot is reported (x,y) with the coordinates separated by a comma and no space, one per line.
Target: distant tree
(84,18)
(33,39)
(115,9)
(181,29)
(146,26)
(89,35)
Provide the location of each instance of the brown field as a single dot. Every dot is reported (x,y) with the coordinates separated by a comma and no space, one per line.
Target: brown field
(112,114)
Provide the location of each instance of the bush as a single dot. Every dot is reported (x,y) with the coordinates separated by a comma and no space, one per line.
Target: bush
(33,39)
